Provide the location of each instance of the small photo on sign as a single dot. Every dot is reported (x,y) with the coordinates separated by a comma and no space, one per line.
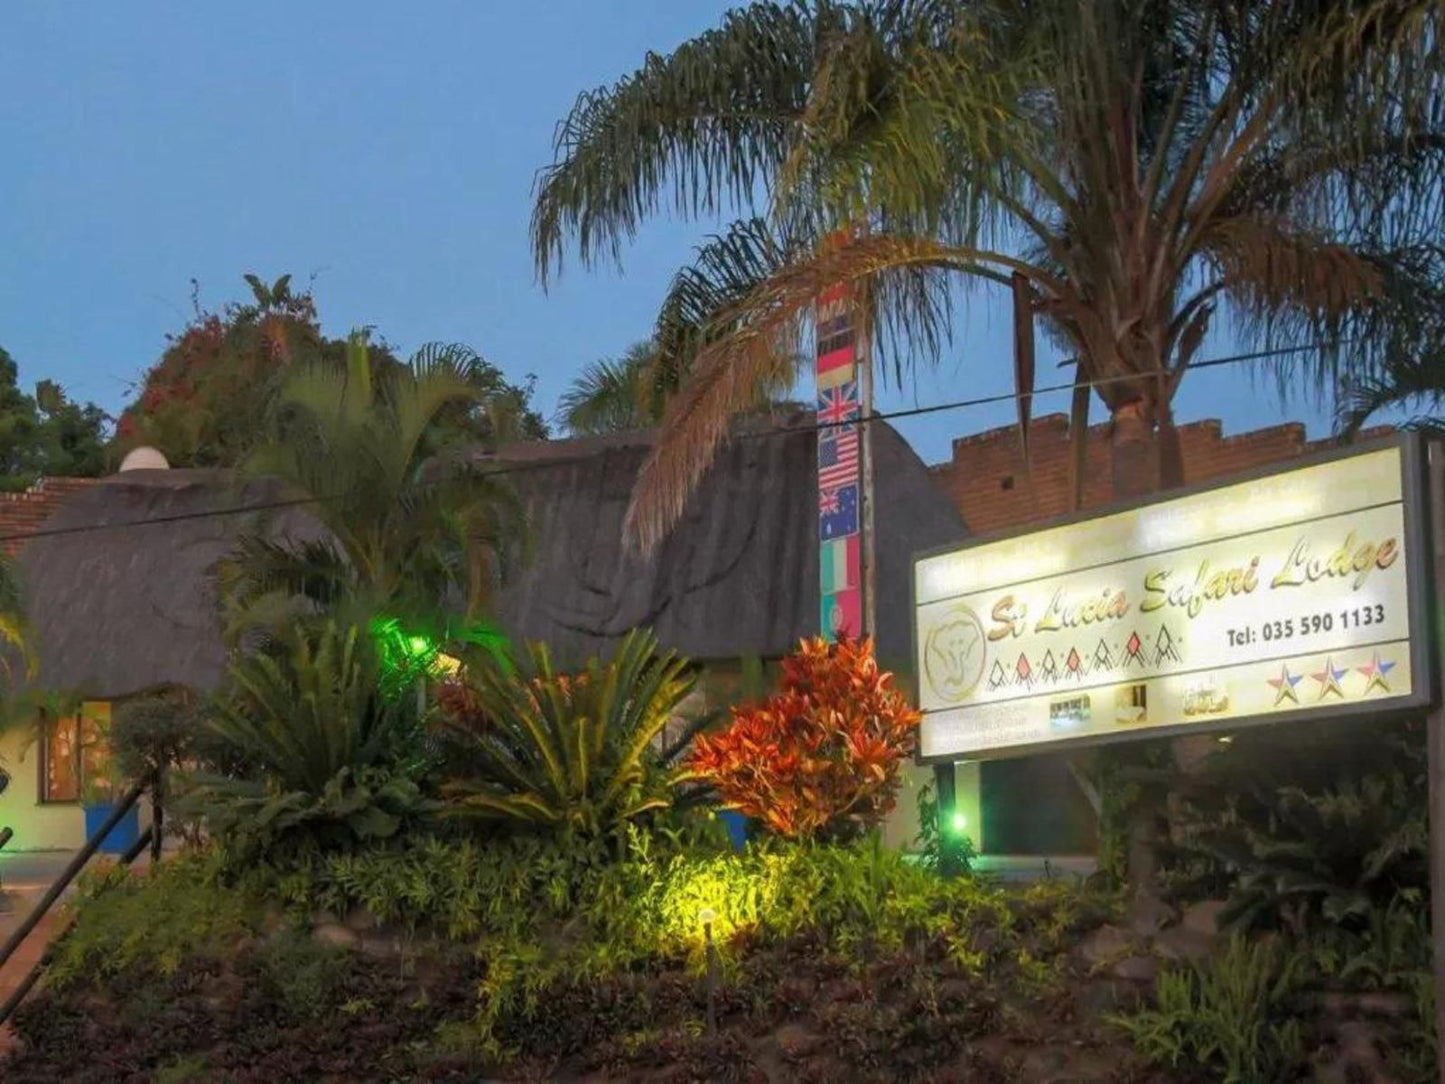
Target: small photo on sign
(1205,698)
(1070,713)
(1131,704)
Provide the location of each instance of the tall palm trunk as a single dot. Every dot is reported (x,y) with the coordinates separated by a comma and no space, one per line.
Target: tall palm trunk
(1145,457)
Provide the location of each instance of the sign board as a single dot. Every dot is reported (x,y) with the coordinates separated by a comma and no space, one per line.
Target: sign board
(1297,592)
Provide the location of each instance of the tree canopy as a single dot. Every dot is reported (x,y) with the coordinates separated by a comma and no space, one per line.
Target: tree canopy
(208,400)
(1126,170)
(46,433)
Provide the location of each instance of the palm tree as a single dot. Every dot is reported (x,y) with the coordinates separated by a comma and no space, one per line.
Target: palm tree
(612,396)
(1404,383)
(409,522)
(1127,169)
(632,392)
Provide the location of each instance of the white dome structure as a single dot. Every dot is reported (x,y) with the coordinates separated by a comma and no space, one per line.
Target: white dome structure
(144,459)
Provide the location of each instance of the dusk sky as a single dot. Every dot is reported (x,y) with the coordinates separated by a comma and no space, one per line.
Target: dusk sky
(389,151)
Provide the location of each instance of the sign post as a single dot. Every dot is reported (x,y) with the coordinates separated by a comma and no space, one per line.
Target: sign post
(1435,731)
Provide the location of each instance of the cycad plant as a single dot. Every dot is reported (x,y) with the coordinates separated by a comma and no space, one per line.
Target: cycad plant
(305,751)
(1329,842)
(568,752)
(1123,169)
(406,526)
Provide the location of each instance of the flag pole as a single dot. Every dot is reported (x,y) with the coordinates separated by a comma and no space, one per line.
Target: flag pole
(869,546)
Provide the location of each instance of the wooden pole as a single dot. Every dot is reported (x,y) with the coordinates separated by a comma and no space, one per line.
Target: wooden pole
(1435,730)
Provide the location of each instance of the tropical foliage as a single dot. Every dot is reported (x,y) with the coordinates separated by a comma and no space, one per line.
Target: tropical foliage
(1231,1016)
(46,434)
(614,396)
(822,755)
(210,398)
(1125,169)
(632,392)
(205,402)
(1324,841)
(570,752)
(306,752)
(152,734)
(409,522)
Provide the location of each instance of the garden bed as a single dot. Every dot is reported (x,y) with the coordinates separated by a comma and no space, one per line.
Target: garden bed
(833,963)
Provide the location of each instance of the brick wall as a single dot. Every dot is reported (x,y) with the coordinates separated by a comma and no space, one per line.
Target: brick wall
(25,512)
(993,492)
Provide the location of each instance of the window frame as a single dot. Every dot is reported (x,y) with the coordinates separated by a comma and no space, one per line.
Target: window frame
(83,764)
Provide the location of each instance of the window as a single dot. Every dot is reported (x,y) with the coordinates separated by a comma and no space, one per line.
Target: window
(71,751)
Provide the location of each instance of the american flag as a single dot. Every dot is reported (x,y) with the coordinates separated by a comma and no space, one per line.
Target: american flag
(837,458)
(837,406)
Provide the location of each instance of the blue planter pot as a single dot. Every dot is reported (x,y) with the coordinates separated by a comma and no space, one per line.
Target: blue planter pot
(737,826)
(120,838)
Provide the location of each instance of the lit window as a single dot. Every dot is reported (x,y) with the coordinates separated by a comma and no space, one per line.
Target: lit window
(71,750)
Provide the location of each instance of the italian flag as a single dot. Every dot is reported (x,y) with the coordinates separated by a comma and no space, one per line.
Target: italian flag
(838,563)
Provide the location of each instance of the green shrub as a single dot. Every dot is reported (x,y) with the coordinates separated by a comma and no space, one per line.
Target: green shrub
(941,848)
(1317,834)
(1230,1016)
(567,752)
(154,920)
(312,756)
(306,978)
(152,734)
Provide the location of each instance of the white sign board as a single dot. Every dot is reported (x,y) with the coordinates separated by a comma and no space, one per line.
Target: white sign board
(1296,592)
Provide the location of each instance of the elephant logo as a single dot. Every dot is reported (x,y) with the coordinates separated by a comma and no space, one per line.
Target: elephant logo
(954,654)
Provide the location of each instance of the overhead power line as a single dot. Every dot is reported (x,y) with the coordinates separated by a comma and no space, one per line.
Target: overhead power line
(549,463)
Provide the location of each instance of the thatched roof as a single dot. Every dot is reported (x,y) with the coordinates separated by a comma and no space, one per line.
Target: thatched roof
(128,608)
(738,575)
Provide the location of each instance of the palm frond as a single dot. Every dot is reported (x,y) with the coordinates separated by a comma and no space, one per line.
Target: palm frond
(696,130)
(612,396)
(752,336)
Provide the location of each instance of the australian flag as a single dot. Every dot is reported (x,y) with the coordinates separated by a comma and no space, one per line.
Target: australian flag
(838,512)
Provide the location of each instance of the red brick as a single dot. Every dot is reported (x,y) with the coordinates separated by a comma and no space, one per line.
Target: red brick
(984,462)
(24,513)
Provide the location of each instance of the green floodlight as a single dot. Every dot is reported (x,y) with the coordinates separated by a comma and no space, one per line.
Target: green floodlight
(957,823)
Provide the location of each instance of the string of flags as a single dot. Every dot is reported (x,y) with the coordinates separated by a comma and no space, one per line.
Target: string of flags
(839,466)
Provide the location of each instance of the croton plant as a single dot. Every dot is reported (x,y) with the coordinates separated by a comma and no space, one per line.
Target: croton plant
(821,757)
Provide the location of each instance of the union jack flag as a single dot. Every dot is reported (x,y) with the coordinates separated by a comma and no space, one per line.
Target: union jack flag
(837,406)
(837,458)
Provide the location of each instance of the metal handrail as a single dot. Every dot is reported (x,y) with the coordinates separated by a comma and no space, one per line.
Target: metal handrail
(77,863)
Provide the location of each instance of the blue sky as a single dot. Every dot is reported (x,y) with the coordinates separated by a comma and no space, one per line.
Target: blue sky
(387,149)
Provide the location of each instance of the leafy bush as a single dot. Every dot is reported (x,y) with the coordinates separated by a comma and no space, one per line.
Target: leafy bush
(941,848)
(152,734)
(1323,839)
(820,757)
(316,757)
(569,752)
(154,919)
(1231,1016)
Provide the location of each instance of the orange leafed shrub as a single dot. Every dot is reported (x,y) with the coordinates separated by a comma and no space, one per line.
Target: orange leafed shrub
(821,756)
